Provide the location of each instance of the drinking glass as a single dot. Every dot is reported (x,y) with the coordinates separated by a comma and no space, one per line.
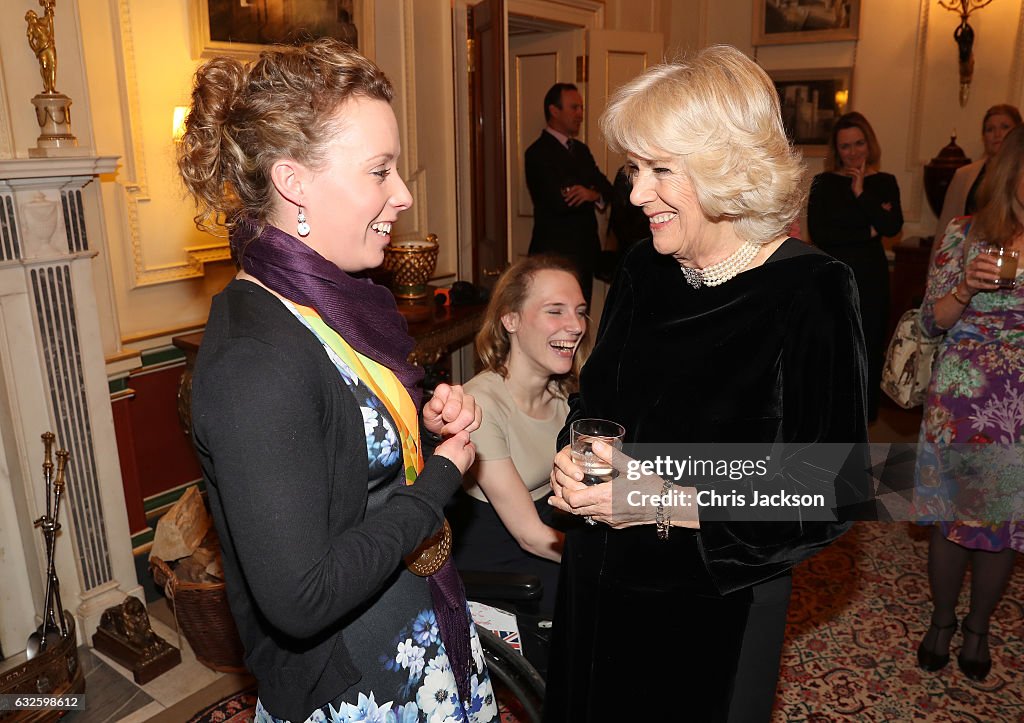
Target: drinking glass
(1007,260)
(582,435)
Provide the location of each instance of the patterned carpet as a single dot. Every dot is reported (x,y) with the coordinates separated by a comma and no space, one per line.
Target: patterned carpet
(236,708)
(859,610)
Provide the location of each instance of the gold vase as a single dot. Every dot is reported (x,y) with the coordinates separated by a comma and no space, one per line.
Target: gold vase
(411,263)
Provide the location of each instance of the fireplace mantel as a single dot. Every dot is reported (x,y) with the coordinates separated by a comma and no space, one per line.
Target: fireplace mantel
(26,168)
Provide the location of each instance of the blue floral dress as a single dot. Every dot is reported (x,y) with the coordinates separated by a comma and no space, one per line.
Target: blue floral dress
(405,678)
(970,468)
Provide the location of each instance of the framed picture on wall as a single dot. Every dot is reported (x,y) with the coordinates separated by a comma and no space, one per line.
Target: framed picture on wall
(778,22)
(811,101)
(241,28)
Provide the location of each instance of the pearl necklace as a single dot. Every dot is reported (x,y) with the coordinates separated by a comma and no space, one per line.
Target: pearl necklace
(724,270)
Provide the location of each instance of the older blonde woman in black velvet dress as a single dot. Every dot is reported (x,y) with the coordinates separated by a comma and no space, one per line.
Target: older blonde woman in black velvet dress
(720,329)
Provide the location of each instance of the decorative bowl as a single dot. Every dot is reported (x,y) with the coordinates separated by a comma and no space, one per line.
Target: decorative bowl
(411,263)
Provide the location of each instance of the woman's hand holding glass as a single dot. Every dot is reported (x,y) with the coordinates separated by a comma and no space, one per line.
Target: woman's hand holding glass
(572,495)
(981,274)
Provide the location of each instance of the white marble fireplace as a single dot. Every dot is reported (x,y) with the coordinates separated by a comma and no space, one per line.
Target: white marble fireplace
(52,377)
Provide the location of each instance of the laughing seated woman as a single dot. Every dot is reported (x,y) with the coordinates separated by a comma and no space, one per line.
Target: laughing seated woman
(530,345)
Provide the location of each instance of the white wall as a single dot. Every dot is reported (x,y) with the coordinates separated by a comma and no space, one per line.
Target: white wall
(138,60)
(905,76)
(162,270)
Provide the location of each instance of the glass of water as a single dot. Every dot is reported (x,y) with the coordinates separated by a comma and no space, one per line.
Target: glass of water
(582,435)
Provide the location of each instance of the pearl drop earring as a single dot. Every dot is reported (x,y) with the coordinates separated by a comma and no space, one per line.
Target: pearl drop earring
(302,227)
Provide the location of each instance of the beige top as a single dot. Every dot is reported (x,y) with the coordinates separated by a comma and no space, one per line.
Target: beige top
(506,431)
(956,199)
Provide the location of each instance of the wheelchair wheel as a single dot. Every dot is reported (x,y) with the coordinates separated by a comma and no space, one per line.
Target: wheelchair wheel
(516,684)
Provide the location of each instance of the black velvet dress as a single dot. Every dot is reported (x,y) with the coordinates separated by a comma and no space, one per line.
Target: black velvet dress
(690,629)
(850,228)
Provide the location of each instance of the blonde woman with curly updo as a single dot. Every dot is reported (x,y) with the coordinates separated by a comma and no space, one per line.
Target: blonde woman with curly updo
(305,408)
(720,329)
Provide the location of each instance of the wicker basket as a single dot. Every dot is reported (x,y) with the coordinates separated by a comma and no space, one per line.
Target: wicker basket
(204,618)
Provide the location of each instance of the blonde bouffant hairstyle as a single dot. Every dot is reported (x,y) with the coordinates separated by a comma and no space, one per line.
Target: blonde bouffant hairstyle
(243,119)
(493,343)
(717,112)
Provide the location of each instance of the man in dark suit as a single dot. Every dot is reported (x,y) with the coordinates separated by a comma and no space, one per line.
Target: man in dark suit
(565,185)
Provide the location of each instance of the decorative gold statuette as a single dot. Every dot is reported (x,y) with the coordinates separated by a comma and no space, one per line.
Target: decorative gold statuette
(53,109)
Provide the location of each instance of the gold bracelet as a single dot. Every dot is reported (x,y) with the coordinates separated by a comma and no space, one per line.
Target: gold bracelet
(957,298)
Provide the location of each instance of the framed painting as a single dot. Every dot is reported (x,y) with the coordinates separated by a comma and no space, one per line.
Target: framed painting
(779,22)
(241,28)
(811,101)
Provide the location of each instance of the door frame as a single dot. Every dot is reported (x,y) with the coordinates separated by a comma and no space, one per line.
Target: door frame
(586,14)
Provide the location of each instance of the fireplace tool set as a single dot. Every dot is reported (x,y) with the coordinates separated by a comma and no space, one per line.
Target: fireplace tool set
(52,629)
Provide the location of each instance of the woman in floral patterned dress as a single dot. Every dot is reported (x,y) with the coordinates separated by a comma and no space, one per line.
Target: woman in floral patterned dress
(306,408)
(969,471)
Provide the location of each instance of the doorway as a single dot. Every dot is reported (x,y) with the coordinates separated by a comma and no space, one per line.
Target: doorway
(540,54)
(525,47)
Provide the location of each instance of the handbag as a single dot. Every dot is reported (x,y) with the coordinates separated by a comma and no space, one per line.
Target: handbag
(908,361)
(911,354)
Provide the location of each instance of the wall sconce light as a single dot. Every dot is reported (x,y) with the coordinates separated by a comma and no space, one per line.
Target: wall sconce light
(178,123)
(964,37)
(842,98)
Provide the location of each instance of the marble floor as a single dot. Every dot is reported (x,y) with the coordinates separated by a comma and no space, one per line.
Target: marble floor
(112,696)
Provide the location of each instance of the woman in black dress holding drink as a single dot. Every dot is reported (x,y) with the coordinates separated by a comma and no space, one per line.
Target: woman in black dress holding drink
(851,207)
(718,329)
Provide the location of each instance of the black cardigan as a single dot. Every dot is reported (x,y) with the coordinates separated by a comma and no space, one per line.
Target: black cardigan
(280,439)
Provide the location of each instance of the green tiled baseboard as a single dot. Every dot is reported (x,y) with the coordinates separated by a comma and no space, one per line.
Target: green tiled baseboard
(157,503)
(161,356)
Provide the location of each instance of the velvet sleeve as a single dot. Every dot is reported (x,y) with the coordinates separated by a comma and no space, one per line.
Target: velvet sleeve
(824,391)
(945,271)
(265,428)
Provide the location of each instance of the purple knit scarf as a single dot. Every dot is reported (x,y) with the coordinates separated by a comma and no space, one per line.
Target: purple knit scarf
(362,312)
(365,315)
